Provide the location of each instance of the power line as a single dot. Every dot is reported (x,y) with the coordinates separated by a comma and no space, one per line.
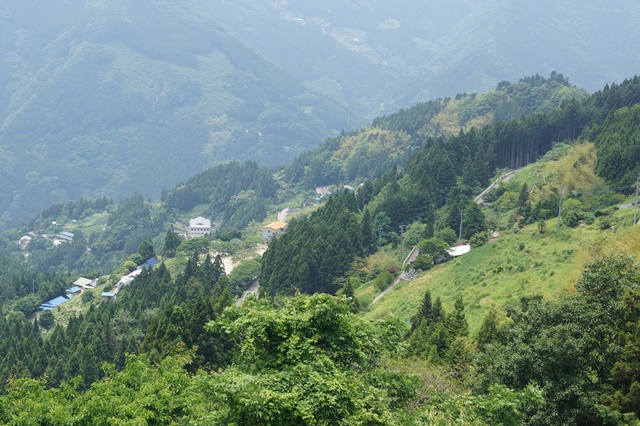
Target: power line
(635,205)
(559,208)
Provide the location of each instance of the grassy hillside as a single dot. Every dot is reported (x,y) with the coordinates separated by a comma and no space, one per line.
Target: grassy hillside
(393,139)
(525,262)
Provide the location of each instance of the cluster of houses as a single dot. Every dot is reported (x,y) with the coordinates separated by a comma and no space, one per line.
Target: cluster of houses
(82,284)
(63,237)
(198,227)
(78,286)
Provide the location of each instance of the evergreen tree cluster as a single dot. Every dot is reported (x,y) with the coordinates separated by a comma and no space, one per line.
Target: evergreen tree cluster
(316,251)
(152,315)
(474,154)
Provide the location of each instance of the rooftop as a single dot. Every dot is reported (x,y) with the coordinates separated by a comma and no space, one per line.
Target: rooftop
(150,263)
(199,222)
(277,225)
(53,303)
(459,250)
(82,282)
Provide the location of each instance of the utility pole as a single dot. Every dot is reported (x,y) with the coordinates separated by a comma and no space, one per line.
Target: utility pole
(559,209)
(635,206)
(461,215)
(401,240)
(379,236)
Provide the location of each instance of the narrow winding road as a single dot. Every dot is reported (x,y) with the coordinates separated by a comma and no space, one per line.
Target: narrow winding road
(504,178)
(410,258)
(252,289)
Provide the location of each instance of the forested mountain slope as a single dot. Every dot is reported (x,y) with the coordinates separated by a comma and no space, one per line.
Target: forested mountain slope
(317,359)
(513,126)
(108,98)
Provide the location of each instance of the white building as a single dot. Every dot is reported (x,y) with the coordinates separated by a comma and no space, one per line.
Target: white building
(199,227)
(66,236)
(272,229)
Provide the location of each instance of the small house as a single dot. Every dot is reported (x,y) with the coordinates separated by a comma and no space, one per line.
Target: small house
(149,264)
(459,250)
(126,280)
(70,292)
(24,241)
(53,303)
(108,296)
(66,236)
(84,283)
(272,229)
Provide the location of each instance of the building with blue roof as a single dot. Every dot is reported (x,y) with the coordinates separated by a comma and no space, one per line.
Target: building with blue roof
(150,263)
(53,303)
(70,292)
(107,296)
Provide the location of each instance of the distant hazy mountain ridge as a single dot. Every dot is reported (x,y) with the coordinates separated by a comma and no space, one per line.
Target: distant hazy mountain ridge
(114,97)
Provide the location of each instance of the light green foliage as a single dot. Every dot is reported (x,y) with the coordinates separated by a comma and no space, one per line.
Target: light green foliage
(383,280)
(309,362)
(479,239)
(423,262)
(162,394)
(136,258)
(242,275)
(193,246)
(129,266)
(500,406)
(26,304)
(305,329)
(447,235)
(415,233)
(434,247)
(574,344)
(87,296)
(507,201)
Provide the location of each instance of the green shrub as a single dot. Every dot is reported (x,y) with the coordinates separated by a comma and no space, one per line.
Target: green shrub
(479,239)
(383,280)
(87,296)
(423,262)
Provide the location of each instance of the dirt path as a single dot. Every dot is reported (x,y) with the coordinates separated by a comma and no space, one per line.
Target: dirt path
(410,258)
(388,289)
(228,262)
(504,178)
(252,289)
(282,215)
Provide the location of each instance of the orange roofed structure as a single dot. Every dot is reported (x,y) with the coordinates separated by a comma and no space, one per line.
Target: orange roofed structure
(273,229)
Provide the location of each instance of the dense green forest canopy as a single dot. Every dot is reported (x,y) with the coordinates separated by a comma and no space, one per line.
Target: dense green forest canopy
(512,143)
(310,360)
(314,359)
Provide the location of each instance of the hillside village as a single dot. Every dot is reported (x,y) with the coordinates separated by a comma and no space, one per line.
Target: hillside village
(414,283)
